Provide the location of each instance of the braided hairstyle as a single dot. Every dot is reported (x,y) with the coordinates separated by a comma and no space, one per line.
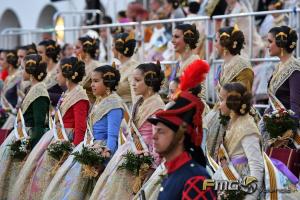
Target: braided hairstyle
(190,34)
(89,45)
(12,58)
(153,75)
(73,69)
(35,67)
(52,49)
(125,44)
(110,75)
(285,38)
(232,39)
(238,99)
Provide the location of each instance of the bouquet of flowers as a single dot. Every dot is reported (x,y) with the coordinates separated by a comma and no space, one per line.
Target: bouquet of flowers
(3,116)
(20,148)
(92,158)
(59,149)
(138,164)
(279,122)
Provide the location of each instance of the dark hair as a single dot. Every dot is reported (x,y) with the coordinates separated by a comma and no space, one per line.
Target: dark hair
(35,66)
(232,40)
(89,45)
(52,49)
(122,13)
(278,4)
(12,58)
(124,44)
(175,3)
(30,49)
(194,7)
(110,75)
(153,76)
(285,37)
(190,34)
(73,69)
(238,99)
(106,20)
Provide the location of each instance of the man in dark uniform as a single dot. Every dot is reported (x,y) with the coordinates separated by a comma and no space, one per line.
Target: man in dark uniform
(178,137)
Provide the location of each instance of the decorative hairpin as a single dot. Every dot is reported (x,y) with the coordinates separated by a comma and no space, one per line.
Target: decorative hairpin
(109,74)
(126,50)
(67,65)
(188,32)
(234,44)
(243,109)
(28,62)
(75,75)
(40,76)
(293,45)
(235,28)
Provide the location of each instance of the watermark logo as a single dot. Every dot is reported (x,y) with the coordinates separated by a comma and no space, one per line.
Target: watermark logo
(247,185)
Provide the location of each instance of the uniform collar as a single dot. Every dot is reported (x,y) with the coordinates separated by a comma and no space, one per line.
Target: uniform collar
(177,162)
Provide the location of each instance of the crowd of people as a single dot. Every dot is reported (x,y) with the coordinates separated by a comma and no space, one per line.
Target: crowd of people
(74,126)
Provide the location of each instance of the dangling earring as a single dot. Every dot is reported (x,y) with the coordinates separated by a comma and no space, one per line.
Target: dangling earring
(108,91)
(31,78)
(281,51)
(224,52)
(187,48)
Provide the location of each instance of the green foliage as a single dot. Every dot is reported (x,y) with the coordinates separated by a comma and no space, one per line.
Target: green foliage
(90,156)
(233,195)
(58,148)
(20,148)
(133,162)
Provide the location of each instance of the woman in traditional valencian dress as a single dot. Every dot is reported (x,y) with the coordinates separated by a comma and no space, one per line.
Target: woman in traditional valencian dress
(49,51)
(284,93)
(118,184)
(40,167)
(229,43)
(105,118)
(35,107)
(9,93)
(239,154)
(124,49)
(85,50)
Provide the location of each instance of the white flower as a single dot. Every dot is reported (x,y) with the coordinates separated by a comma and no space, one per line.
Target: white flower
(277,115)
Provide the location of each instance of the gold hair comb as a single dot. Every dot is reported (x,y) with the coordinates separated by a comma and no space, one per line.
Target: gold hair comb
(67,65)
(87,43)
(130,36)
(224,35)
(114,65)
(28,62)
(10,54)
(188,32)
(282,34)
(120,40)
(50,47)
(152,73)
(235,28)
(109,74)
